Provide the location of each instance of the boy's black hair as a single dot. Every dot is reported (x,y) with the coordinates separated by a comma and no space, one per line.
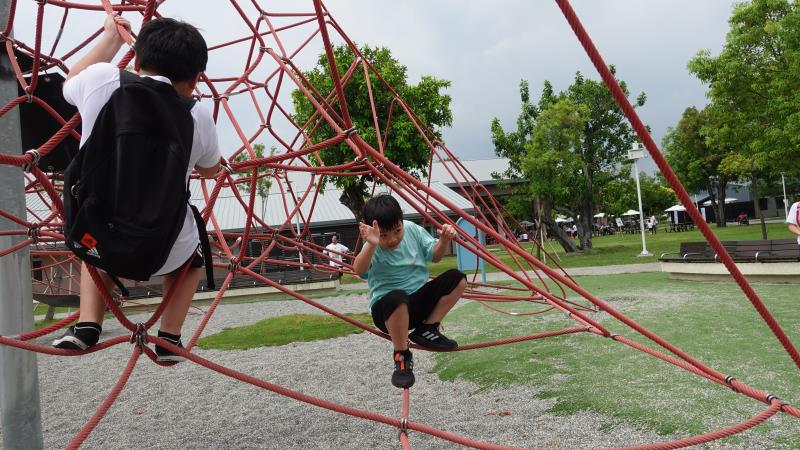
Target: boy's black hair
(171,48)
(385,209)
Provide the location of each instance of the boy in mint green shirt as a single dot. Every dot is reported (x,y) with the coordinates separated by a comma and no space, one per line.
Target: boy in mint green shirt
(394,260)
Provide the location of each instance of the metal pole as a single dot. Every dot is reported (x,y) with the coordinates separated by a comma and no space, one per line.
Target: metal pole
(785,200)
(641,214)
(19,378)
(636,153)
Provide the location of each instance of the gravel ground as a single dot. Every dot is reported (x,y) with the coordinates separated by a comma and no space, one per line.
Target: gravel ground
(188,407)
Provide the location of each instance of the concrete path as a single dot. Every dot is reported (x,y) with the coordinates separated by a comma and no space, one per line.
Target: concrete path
(575,271)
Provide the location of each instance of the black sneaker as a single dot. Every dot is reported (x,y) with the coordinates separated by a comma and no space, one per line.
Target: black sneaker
(79,337)
(403,375)
(427,335)
(164,355)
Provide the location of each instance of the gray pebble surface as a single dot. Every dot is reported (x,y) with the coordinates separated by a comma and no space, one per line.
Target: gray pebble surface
(190,407)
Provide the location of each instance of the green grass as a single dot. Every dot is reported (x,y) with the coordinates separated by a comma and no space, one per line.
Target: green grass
(713,322)
(44,323)
(623,249)
(281,331)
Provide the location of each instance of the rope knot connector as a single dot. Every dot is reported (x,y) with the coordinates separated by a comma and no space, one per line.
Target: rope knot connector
(729,381)
(34,232)
(350,131)
(139,336)
(233,265)
(35,157)
(403,426)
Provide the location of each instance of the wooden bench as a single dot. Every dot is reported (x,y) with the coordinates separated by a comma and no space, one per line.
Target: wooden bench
(740,251)
(54,301)
(772,260)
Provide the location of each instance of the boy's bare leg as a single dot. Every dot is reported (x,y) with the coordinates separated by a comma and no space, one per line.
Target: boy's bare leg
(93,308)
(175,312)
(446,303)
(397,324)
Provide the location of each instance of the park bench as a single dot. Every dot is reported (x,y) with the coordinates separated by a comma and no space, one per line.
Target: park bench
(775,260)
(740,251)
(54,301)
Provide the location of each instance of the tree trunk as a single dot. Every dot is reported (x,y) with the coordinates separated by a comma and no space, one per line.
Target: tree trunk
(722,187)
(537,213)
(756,206)
(715,204)
(554,230)
(353,198)
(585,226)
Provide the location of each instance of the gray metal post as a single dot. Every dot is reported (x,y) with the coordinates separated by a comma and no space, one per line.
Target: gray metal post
(19,378)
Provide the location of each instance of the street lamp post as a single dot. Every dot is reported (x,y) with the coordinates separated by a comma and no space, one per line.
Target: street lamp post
(636,153)
(785,204)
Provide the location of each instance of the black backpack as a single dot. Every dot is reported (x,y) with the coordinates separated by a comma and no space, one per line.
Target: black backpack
(124,194)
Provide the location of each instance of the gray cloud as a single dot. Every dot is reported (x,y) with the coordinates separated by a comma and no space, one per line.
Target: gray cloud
(484,48)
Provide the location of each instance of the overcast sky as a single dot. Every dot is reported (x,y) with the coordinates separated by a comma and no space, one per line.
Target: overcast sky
(484,48)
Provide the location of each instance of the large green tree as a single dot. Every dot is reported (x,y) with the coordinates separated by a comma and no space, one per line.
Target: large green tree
(695,161)
(512,145)
(404,145)
(755,92)
(584,140)
(619,195)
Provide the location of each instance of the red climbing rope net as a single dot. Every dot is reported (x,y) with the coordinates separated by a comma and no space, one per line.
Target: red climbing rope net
(251,103)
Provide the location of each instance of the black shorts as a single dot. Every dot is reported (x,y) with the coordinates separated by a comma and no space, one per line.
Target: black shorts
(420,303)
(195,261)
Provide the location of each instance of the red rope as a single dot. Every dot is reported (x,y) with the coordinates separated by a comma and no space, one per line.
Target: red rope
(300,202)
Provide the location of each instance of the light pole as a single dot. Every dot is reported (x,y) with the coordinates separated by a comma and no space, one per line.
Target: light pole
(20,414)
(785,204)
(636,153)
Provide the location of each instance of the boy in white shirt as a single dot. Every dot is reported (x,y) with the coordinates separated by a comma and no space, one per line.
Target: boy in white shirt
(171,52)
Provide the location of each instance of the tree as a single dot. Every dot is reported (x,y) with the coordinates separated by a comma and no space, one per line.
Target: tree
(552,165)
(619,195)
(582,160)
(264,181)
(512,146)
(755,92)
(694,161)
(404,145)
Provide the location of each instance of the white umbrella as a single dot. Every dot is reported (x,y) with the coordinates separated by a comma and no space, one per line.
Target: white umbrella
(727,200)
(631,212)
(561,219)
(675,208)
(600,215)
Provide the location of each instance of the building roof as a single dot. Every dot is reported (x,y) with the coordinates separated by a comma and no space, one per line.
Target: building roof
(327,209)
(480,169)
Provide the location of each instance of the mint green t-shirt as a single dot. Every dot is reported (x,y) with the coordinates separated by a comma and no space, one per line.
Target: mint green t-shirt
(404,268)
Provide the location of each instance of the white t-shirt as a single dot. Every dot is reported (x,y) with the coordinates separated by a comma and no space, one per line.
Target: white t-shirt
(336,257)
(793,217)
(90,90)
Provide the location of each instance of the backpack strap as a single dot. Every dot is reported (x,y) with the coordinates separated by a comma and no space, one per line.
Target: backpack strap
(205,245)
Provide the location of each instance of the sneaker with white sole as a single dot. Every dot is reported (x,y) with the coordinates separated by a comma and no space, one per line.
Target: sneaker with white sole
(428,335)
(79,337)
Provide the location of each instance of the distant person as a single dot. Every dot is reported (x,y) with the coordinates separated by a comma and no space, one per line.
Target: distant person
(742,219)
(335,250)
(574,230)
(651,224)
(793,219)
(394,260)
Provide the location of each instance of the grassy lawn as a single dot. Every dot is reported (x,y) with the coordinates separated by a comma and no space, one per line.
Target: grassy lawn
(623,249)
(282,330)
(713,322)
